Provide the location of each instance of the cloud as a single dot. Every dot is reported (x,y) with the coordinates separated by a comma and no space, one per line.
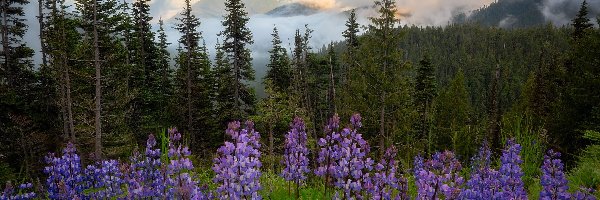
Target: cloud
(323,4)
(561,12)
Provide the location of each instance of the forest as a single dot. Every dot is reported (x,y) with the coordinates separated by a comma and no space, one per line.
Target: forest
(462,111)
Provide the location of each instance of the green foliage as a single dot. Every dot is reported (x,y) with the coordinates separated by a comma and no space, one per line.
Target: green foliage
(587,172)
(236,39)
(452,119)
(193,84)
(533,141)
(425,91)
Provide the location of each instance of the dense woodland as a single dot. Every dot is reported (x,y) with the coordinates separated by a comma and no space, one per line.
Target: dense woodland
(106,81)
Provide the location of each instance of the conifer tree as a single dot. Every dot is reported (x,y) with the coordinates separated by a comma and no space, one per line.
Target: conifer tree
(224,97)
(425,91)
(452,114)
(581,23)
(279,71)
(147,71)
(164,72)
(352,44)
(20,91)
(60,40)
(334,78)
(193,78)
(384,72)
(236,38)
(98,58)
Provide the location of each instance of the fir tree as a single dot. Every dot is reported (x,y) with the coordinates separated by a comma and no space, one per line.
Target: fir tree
(452,114)
(278,72)
(352,44)
(425,91)
(224,97)
(193,78)
(236,38)
(386,72)
(581,23)
(164,72)
(147,74)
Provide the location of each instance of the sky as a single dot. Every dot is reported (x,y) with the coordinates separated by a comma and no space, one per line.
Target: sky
(327,24)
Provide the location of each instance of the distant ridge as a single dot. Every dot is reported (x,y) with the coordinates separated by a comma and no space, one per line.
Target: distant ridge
(293,9)
(526,13)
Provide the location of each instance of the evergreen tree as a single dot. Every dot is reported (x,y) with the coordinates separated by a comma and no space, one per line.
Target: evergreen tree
(581,23)
(425,91)
(193,79)
(385,73)
(452,115)
(109,97)
(165,73)
(23,100)
(334,78)
(147,73)
(60,41)
(224,97)
(279,72)
(236,38)
(352,44)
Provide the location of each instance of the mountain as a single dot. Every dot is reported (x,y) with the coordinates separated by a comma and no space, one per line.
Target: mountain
(293,9)
(526,13)
(507,14)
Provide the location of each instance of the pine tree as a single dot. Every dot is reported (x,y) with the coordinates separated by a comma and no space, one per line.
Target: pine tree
(60,40)
(21,93)
(145,57)
(334,78)
(193,79)
(384,68)
(452,115)
(581,23)
(352,44)
(279,72)
(109,97)
(237,37)
(224,97)
(165,73)
(425,91)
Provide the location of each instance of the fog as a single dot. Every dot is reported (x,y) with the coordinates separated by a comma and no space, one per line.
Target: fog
(327,24)
(561,12)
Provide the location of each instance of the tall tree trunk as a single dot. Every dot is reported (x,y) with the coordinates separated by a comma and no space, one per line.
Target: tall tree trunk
(98,96)
(63,105)
(5,44)
(189,83)
(332,107)
(271,139)
(67,74)
(42,31)
(236,80)
(494,124)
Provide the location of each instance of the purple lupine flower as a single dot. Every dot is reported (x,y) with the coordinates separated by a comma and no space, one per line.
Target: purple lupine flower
(295,152)
(439,177)
(179,181)
(386,179)
(344,158)
(511,184)
(146,177)
(237,166)
(105,181)
(24,192)
(484,181)
(553,181)
(65,178)
(584,194)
